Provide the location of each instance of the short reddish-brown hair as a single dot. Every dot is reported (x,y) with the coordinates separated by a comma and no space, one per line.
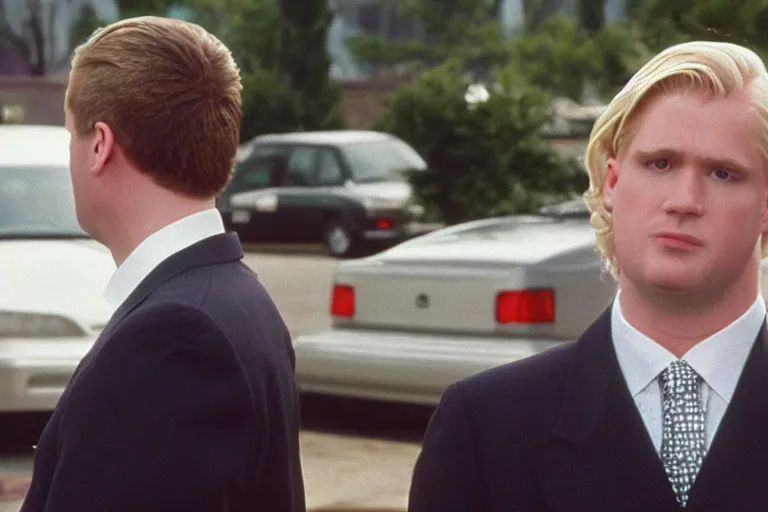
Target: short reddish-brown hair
(171,93)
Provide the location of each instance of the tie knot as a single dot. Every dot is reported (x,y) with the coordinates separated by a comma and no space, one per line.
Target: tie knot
(679,378)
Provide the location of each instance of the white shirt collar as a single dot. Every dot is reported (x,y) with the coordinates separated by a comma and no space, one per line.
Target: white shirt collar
(718,359)
(156,248)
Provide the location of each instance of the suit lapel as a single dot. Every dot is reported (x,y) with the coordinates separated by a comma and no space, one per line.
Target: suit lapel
(734,475)
(600,456)
(215,249)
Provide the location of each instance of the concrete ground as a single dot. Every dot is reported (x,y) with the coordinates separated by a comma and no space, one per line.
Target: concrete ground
(340,473)
(354,456)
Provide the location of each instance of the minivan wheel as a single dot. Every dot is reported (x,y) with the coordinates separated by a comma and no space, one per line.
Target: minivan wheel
(338,240)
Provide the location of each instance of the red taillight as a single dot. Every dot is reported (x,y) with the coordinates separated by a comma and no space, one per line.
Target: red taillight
(343,301)
(525,307)
(384,224)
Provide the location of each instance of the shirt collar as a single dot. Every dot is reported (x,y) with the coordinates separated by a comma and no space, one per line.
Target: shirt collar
(718,359)
(156,248)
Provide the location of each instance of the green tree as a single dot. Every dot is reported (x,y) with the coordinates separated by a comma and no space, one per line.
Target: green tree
(556,56)
(485,158)
(305,64)
(464,30)
(665,22)
(280,49)
(132,8)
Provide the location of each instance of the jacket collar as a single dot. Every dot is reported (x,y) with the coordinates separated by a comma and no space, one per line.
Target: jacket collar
(209,251)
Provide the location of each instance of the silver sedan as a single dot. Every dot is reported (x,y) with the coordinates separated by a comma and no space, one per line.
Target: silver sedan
(408,322)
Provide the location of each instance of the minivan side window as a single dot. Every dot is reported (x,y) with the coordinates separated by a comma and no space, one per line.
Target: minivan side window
(256,173)
(301,167)
(329,170)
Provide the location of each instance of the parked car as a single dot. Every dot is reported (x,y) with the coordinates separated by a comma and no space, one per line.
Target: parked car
(52,273)
(345,189)
(413,319)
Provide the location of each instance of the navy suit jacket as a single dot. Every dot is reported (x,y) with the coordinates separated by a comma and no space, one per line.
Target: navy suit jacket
(559,431)
(187,400)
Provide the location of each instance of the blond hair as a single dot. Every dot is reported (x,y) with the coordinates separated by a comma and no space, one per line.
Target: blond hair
(171,93)
(702,66)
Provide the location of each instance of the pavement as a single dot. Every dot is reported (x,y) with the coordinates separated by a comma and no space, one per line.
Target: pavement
(341,473)
(355,456)
(372,475)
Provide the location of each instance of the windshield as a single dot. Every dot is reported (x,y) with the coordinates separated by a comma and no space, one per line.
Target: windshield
(382,160)
(37,203)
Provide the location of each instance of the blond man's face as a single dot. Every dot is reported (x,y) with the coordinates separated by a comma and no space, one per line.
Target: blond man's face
(688,194)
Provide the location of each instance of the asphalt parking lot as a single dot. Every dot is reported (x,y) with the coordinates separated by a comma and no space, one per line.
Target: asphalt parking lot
(357,455)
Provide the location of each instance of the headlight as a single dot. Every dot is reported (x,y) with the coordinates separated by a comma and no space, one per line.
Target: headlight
(32,325)
(382,203)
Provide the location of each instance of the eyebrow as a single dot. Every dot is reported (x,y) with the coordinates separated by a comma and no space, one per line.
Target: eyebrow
(724,162)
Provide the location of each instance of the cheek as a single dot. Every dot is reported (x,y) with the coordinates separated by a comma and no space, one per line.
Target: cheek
(749,216)
(635,208)
(634,204)
(78,157)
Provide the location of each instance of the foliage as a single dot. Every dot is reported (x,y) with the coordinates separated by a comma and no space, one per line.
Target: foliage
(665,22)
(269,106)
(305,64)
(484,158)
(463,30)
(283,62)
(555,56)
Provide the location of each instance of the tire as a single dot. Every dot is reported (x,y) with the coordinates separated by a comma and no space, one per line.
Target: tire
(338,240)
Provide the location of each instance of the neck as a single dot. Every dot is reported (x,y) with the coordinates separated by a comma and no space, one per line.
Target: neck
(678,322)
(133,222)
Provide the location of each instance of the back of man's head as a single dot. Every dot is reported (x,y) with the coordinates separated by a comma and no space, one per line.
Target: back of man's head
(171,94)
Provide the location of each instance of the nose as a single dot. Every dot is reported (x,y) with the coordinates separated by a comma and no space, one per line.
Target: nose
(685,193)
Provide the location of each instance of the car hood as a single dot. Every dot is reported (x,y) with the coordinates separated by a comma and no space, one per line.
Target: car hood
(64,277)
(388,190)
(522,240)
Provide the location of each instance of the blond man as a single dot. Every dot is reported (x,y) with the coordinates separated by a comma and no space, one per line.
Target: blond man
(662,404)
(187,400)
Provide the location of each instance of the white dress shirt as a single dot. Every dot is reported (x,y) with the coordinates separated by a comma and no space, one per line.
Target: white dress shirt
(158,247)
(718,359)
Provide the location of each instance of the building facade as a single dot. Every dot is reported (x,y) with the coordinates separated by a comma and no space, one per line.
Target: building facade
(46,27)
(377,17)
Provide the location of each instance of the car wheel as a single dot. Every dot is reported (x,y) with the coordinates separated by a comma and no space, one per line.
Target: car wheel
(338,240)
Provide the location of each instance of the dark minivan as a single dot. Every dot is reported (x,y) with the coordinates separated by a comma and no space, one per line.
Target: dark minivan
(345,189)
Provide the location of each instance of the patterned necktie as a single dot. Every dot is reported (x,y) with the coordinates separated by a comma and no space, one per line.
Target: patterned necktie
(683,442)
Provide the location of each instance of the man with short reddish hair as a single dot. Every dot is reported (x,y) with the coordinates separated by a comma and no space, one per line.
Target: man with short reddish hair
(187,401)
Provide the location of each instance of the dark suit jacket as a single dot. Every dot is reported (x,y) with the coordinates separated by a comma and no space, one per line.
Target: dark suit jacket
(560,432)
(186,401)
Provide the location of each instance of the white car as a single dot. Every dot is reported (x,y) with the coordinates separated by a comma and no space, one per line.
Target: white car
(409,321)
(52,274)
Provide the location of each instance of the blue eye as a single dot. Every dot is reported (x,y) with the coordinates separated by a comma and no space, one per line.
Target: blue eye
(660,163)
(723,174)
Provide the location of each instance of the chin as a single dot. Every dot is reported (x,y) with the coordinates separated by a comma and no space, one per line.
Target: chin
(673,281)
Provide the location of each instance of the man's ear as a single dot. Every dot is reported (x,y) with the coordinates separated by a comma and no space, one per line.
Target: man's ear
(610,179)
(102,147)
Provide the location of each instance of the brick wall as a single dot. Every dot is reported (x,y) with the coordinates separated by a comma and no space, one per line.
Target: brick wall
(363,102)
(39,100)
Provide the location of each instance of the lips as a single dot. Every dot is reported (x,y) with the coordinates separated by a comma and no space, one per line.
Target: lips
(678,238)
